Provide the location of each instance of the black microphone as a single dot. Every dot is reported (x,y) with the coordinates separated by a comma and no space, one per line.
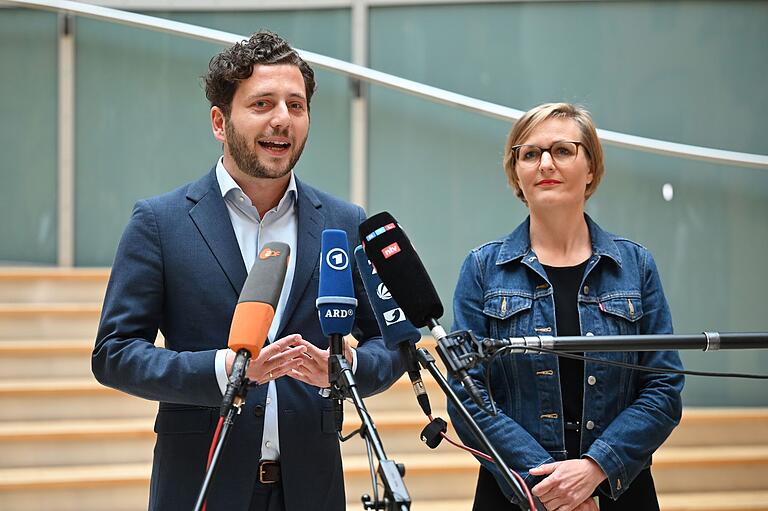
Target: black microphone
(402,271)
(400,268)
(336,303)
(254,313)
(398,333)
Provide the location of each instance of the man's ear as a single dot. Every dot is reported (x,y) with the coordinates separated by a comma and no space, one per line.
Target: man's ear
(218,124)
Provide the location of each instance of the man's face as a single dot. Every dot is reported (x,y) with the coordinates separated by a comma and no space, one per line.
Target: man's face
(268,122)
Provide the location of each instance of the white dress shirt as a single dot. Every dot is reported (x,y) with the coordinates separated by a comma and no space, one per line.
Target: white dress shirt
(252,232)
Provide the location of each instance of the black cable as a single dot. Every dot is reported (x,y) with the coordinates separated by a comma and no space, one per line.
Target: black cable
(635,367)
(489,387)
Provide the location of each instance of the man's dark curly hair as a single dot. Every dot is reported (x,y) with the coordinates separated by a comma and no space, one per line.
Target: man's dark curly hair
(228,68)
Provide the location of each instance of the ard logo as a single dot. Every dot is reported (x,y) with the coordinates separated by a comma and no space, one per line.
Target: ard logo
(338,313)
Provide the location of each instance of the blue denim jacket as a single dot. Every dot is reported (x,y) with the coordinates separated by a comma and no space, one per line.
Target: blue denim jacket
(503,291)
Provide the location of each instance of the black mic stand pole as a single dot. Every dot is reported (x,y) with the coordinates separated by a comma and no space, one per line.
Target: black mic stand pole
(428,362)
(234,398)
(396,497)
(707,341)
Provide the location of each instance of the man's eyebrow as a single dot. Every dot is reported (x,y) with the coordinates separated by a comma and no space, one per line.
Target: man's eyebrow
(269,94)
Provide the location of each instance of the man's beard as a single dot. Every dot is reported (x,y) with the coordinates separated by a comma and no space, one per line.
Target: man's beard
(248,161)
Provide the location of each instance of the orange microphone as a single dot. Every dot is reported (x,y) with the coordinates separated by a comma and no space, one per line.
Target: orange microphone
(254,313)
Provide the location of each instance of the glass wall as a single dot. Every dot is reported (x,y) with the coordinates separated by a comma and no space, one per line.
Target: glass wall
(690,72)
(143,124)
(28,110)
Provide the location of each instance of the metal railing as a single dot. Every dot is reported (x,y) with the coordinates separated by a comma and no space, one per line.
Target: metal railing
(401,84)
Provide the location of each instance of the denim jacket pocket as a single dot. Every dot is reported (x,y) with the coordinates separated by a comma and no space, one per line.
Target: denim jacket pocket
(621,313)
(507,311)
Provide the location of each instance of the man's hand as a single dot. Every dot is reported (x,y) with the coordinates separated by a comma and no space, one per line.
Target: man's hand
(314,371)
(568,485)
(275,359)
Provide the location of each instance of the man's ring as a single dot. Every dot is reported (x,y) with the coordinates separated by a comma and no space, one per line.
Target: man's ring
(270,375)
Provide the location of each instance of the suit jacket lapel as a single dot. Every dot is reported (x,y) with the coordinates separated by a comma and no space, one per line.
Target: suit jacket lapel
(310,227)
(212,220)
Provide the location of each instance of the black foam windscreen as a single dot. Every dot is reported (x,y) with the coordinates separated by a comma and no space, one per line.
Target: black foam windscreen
(400,268)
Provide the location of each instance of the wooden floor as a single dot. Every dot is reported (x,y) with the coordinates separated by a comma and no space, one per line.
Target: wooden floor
(68,443)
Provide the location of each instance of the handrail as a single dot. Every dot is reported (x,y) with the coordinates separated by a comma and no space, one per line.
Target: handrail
(401,84)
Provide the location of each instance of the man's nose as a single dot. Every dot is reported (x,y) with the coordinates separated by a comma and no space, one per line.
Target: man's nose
(281,118)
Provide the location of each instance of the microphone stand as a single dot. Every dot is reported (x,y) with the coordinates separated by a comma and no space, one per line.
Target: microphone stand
(707,341)
(343,386)
(428,362)
(234,398)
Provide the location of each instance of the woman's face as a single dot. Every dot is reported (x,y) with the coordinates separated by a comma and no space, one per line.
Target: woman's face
(553,182)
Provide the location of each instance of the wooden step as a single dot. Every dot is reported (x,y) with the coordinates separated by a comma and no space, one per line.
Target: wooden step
(76,488)
(76,442)
(69,398)
(715,501)
(21,321)
(45,358)
(430,485)
(725,468)
(721,426)
(449,475)
(41,285)
(399,431)
(710,501)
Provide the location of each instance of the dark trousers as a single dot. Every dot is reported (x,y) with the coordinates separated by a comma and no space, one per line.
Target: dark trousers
(267,497)
(640,496)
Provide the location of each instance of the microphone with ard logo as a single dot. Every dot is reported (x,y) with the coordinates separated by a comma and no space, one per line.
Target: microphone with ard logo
(398,333)
(336,304)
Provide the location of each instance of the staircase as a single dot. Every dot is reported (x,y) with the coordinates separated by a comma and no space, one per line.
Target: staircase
(68,443)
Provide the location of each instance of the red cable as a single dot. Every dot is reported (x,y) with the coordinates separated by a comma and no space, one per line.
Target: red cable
(213,448)
(488,458)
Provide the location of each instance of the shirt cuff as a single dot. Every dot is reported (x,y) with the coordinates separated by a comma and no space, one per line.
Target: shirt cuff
(220,366)
(354,359)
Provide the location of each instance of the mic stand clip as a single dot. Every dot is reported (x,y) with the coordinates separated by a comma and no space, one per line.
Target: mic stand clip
(231,404)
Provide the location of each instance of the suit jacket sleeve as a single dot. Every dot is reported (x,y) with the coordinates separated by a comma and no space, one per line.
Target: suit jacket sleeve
(125,356)
(377,366)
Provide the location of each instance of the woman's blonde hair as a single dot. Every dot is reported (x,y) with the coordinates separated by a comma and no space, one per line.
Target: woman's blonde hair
(533,118)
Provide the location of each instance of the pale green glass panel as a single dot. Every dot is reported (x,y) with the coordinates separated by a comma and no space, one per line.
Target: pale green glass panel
(28,109)
(692,72)
(143,121)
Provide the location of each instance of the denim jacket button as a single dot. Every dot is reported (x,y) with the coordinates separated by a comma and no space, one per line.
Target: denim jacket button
(591,380)
(586,290)
(590,425)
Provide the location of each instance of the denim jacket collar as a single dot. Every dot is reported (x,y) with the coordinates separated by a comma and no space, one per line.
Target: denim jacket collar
(518,243)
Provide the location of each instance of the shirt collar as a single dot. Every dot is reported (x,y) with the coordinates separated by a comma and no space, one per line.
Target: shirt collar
(518,243)
(231,191)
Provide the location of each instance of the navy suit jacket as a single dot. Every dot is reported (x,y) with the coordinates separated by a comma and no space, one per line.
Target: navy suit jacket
(179,270)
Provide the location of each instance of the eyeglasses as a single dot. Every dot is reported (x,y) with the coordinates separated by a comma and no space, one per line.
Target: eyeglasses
(562,152)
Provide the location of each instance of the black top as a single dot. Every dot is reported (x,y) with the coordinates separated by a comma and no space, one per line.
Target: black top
(566,281)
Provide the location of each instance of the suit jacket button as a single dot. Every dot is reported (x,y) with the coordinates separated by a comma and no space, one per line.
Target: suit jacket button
(258,411)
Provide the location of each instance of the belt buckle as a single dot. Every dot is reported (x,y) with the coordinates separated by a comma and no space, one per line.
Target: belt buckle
(263,476)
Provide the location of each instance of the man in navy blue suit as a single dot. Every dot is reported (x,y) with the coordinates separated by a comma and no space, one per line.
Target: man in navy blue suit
(179,269)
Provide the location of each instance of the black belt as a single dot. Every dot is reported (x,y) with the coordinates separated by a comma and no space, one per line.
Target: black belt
(269,472)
